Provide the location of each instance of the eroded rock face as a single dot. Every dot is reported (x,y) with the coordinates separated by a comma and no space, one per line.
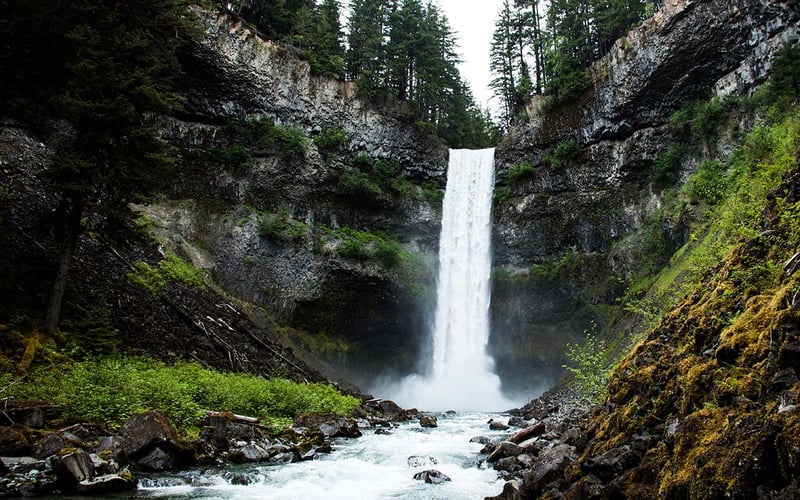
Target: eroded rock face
(582,224)
(233,72)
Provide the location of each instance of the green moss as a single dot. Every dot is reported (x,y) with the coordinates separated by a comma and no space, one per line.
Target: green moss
(154,278)
(562,154)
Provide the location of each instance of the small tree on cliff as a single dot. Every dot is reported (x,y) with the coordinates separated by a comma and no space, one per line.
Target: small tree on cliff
(112,63)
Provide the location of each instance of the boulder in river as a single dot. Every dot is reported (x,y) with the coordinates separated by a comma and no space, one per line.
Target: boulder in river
(428,421)
(480,440)
(497,425)
(431,476)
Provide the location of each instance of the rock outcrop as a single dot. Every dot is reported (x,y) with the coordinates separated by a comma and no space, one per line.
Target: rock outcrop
(571,233)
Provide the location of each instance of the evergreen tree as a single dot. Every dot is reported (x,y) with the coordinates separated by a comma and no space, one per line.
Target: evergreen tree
(570,50)
(366,59)
(112,63)
(511,82)
(318,33)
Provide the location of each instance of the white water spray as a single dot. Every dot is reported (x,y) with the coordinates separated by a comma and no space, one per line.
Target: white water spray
(461,373)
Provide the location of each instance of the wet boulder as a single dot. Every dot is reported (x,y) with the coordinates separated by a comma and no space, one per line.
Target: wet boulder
(49,445)
(480,440)
(249,452)
(517,421)
(15,441)
(531,431)
(497,425)
(428,421)
(431,476)
(547,468)
(511,491)
(110,447)
(3,468)
(150,440)
(72,468)
(22,412)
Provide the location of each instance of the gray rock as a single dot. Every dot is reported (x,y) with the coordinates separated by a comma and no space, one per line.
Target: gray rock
(49,445)
(14,442)
(480,440)
(612,463)
(431,477)
(511,491)
(250,453)
(72,468)
(158,460)
(496,425)
(144,432)
(516,421)
(428,421)
(547,467)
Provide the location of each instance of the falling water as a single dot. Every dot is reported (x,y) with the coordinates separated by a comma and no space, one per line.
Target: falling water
(461,373)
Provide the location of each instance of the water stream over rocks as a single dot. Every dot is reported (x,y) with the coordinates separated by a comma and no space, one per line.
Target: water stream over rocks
(374,466)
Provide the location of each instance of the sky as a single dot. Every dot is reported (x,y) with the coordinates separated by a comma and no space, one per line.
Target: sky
(473,23)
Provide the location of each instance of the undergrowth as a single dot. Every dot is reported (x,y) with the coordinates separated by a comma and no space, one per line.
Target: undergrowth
(112,390)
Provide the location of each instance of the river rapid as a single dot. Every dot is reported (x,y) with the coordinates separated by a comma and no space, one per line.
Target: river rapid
(371,467)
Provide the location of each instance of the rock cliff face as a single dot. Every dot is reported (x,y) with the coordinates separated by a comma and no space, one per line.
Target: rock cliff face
(571,235)
(341,263)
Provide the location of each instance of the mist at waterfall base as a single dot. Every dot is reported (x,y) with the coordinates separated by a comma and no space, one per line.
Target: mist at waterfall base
(459,373)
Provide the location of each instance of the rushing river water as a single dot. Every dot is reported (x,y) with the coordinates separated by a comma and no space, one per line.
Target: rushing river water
(370,467)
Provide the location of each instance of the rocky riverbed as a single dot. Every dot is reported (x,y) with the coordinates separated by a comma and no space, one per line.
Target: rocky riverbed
(87,458)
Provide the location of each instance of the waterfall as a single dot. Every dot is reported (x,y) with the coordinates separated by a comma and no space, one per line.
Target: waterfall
(461,372)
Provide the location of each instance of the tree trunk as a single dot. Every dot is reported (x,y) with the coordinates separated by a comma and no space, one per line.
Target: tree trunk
(72,228)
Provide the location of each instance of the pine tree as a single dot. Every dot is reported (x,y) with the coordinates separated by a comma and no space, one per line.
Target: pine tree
(366,57)
(112,69)
(512,82)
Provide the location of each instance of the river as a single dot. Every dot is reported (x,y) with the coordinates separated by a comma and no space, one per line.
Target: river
(371,467)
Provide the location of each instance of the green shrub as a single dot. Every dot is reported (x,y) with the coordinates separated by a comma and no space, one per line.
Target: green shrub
(261,133)
(665,168)
(149,277)
(235,157)
(330,139)
(281,228)
(709,183)
(432,192)
(501,195)
(562,154)
(113,390)
(360,185)
(590,366)
(520,170)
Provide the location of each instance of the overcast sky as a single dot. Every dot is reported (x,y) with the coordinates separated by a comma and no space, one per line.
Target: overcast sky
(473,23)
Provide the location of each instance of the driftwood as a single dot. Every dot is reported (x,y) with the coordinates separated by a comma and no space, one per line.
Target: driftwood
(236,418)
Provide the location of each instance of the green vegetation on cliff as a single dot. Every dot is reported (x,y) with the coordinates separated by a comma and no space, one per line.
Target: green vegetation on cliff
(714,385)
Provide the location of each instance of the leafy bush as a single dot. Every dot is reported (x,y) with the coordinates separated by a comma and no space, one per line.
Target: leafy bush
(501,194)
(360,184)
(590,366)
(709,183)
(665,167)
(330,139)
(113,390)
(520,170)
(235,157)
(280,227)
(361,245)
(260,133)
(560,156)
